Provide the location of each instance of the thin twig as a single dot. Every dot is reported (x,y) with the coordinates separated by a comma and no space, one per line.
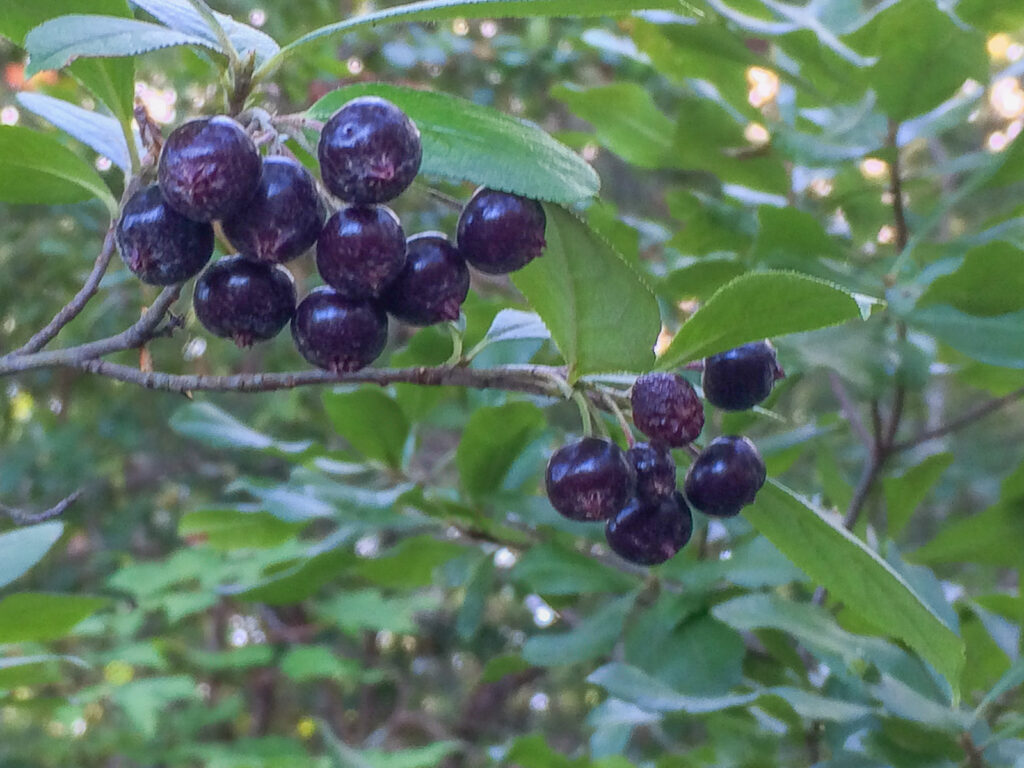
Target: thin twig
(23,517)
(959,423)
(72,309)
(896,189)
(849,409)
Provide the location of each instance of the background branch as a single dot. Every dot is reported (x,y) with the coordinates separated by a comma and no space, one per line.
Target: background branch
(24,517)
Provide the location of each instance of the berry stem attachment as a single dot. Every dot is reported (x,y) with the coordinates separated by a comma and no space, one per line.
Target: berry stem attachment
(585,418)
(455,330)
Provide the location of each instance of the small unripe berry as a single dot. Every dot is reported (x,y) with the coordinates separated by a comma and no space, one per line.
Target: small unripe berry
(369,151)
(209,168)
(666,408)
(725,477)
(589,480)
(157,243)
(433,284)
(244,300)
(500,232)
(283,219)
(649,533)
(338,334)
(655,470)
(361,251)
(741,378)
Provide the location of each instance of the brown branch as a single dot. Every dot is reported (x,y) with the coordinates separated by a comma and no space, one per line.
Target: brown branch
(896,189)
(976,414)
(72,309)
(23,517)
(849,409)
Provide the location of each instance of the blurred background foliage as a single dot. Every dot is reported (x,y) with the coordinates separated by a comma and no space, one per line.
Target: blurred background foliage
(369,577)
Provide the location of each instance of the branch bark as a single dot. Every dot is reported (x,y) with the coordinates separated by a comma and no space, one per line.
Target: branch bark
(24,517)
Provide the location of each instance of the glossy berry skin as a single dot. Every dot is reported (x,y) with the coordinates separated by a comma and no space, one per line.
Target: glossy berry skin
(725,477)
(433,284)
(338,334)
(499,232)
(655,471)
(649,533)
(157,243)
(209,168)
(666,408)
(244,300)
(742,377)
(369,151)
(361,251)
(283,219)
(589,480)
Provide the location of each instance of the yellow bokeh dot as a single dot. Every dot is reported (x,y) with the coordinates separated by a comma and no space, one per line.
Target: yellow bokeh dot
(118,673)
(998,44)
(306,727)
(22,406)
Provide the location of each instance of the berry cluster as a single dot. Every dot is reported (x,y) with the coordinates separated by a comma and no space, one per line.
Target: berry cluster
(271,212)
(633,492)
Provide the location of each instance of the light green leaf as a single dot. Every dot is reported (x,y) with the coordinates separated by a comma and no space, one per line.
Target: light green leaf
(22,548)
(209,424)
(229,529)
(1013,678)
(759,305)
(516,325)
(637,687)
(183,17)
(867,585)
(491,443)
(317,662)
(463,141)
(368,609)
(593,637)
(234,658)
(904,493)
(32,616)
(410,564)
(143,701)
(56,43)
(972,289)
(995,340)
(97,131)
(551,569)
(371,420)
(47,171)
(18,671)
(900,700)
(601,314)
(700,279)
(989,538)
(298,582)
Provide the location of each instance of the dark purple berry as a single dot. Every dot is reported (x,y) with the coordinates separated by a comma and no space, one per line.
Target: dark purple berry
(500,232)
(655,470)
(666,408)
(725,477)
(741,378)
(338,334)
(433,284)
(209,168)
(589,480)
(157,243)
(369,151)
(244,300)
(283,219)
(361,251)
(649,533)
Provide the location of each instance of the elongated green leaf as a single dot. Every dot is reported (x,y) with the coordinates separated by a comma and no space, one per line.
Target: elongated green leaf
(492,441)
(16,671)
(759,305)
(972,289)
(47,171)
(58,42)
(903,494)
(439,10)
(229,529)
(550,569)
(601,314)
(463,141)
(183,17)
(22,548)
(816,543)
(995,340)
(372,421)
(35,616)
(592,637)
(211,425)
(410,564)
(637,687)
(97,131)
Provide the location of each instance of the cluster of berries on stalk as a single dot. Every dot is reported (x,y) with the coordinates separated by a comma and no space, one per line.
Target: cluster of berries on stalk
(634,492)
(271,211)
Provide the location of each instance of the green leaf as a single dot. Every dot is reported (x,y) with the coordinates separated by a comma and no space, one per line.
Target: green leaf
(32,616)
(440,10)
(368,609)
(46,170)
(502,666)
(410,564)
(923,57)
(143,701)
(229,529)
(298,582)
(463,141)
(491,443)
(245,657)
(1013,678)
(637,687)
(700,279)
(903,494)
(551,569)
(183,17)
(972,289)
(371,420)
(593,637)
(516,325)
(791,235)
(478,589)
(56,43)
(601,314)
(19,671)
(989,538)
(22,548)
(97,131)
(995,340)
(317,662)
(209,424)
(112,81)
(815,543)
(759,305)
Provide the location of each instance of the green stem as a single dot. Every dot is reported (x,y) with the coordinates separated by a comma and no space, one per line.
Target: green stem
(456,333)
(133,152)
(585,418)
